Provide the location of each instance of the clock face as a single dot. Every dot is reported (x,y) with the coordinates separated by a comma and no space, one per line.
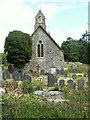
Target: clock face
(39,19)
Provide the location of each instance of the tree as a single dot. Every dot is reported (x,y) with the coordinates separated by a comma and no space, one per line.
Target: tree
(70,48)
(18,47)
(75,50)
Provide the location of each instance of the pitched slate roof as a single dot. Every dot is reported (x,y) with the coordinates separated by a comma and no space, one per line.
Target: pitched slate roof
(47,35)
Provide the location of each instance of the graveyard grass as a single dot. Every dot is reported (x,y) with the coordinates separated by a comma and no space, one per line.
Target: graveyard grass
(31,106)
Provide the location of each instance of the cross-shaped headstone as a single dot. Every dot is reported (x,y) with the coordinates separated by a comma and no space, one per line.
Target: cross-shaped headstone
(38,68)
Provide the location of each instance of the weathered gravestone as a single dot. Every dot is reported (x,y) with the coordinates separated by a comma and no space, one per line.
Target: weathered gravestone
(24,76)
(73,76)
(11,68)
(53,70)
(57,71)
(28,77)
(74,69)
(7,74)
(70,84)
(62,71)
(84,75)
(16,75)
(65,74)
(80,84)
(42,72)
(61,83)
(71,68)
(51,80)
(3,74)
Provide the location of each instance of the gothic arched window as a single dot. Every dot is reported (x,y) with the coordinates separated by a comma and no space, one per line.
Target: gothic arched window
(40,49)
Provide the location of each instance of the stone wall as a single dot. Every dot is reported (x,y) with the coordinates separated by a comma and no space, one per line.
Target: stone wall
(52,53)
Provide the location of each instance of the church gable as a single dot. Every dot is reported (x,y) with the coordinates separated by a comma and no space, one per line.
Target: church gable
(45,51)
(39,30)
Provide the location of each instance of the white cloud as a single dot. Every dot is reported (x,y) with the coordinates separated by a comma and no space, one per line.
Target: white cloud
(58,35)
(76,33)
(14,15)
(20,15)
(65,7)
(49,10)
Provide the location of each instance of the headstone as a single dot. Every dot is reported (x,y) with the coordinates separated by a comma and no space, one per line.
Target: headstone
(53,70)
(65,74)
(11,68)
(21,76)
(74,69)
(70,84)
(3,74)
(28,77)
(84,75)
(16,75)
(38,68)
(61,83)
(71,68)
(51,80)
(73,76)
(62,71)
(57,71)
(80,84)
(7,74)
(42,72)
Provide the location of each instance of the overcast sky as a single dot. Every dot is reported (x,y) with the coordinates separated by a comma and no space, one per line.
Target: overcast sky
(64,18)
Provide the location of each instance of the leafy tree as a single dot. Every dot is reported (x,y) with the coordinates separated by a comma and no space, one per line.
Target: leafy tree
(75,50)
(18,47)
(70,48)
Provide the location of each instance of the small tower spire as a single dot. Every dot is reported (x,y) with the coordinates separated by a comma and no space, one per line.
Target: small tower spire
(40,20)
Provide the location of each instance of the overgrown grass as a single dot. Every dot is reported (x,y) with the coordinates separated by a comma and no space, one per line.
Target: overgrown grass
(31,106)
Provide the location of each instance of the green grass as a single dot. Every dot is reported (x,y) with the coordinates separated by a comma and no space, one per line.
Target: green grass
(31,106)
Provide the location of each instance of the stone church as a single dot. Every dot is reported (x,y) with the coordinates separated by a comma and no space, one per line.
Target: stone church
(45,51)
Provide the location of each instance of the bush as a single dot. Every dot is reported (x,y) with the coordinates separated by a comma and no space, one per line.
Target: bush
(26,87)
(11,85)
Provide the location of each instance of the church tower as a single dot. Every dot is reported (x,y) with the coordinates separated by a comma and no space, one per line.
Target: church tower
(39,20)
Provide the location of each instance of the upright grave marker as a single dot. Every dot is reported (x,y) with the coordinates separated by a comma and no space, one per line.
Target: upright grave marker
(7,74)
(61,83)
(80,84)
(70,84)
(51,80)
(16,75)
(73,76)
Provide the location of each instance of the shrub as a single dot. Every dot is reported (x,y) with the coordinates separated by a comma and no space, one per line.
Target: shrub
(26,87)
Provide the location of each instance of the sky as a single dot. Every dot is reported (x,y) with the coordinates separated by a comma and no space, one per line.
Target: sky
(64,18)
